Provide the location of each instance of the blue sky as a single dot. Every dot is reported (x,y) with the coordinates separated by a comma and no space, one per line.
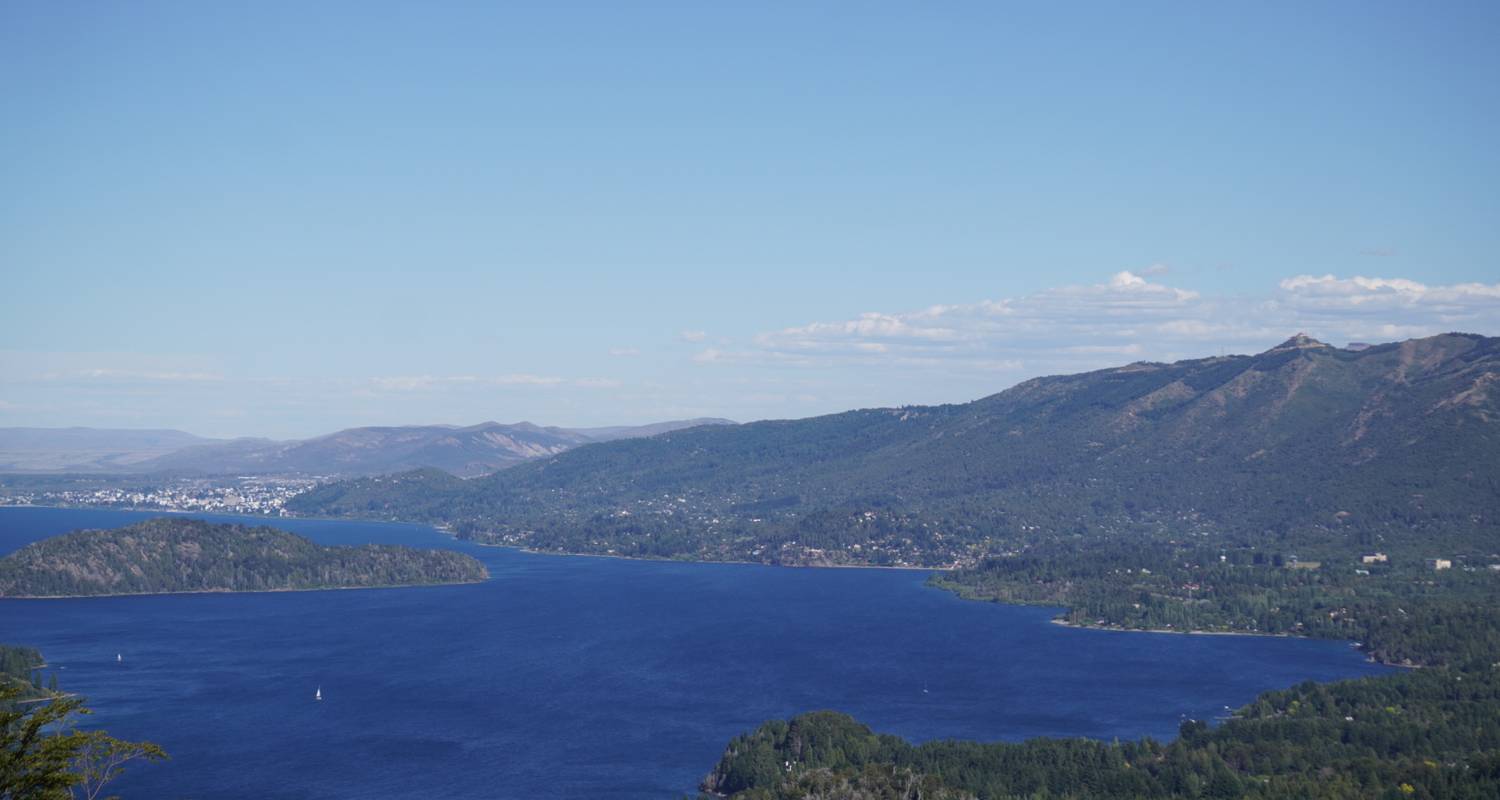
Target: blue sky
(283,219)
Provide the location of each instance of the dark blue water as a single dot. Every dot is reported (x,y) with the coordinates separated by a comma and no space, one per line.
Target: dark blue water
(591,677)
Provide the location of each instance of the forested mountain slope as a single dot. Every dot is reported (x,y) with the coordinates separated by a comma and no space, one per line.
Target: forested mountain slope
(1392,441)
(172,554)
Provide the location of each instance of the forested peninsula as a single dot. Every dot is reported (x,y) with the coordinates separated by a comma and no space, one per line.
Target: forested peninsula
(1421,734)
(1304,449)
(170,555)
(1307,490)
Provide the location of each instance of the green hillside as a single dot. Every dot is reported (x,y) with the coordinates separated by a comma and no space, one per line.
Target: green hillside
(1423,734)
(1304,442)
(189,555)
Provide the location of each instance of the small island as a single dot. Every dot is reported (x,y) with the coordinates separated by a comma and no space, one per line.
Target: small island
(171,555)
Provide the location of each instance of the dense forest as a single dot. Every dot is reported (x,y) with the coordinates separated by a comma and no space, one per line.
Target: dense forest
(1307,490)
(187,555)
(1238,493)
(1399,608)
(20,671)
(1397,443)
(1432,732)
(1420,734)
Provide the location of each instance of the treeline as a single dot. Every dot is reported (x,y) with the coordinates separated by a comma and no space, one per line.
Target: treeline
(20,671)
(1423,734)
(1170,496)
(188,555)
(19,662)
(1401,611)
(1276,446)
(43,754)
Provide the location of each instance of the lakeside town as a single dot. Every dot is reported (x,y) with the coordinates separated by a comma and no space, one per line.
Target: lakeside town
(250,495)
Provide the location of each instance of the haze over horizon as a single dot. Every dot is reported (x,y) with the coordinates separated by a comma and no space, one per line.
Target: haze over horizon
(543,425)
(281,221)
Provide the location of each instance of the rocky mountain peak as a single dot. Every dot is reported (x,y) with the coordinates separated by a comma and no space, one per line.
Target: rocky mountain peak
(1300,341)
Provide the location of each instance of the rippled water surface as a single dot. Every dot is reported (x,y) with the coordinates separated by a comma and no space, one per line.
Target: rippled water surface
(590,677)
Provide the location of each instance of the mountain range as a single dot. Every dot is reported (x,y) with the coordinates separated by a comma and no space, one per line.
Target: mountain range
(463,451)
(88,449)
(1388,440)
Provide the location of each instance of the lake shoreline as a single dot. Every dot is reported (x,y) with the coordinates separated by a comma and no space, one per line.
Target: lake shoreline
(58,696)
(1117,629)
(236,591)
(564,554)
(1059,621)
(447,532)
(551,658)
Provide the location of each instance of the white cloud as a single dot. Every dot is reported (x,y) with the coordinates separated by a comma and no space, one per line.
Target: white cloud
(944,352)
(1128,317)
(1359,290)
(972,330)
(126,375)
(1105,349)
(870,325)
(524,379)
(106,368)
(412,383)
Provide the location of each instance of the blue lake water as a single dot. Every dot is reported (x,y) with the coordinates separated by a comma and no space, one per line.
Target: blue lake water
(590,677)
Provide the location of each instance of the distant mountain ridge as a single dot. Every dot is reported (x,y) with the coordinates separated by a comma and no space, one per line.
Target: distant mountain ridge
(1388,440)
(88,449)
(463,451)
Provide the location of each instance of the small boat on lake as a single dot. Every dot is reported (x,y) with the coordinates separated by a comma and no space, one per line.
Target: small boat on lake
(318,695)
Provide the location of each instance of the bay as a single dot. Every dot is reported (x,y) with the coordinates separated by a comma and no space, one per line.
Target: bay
(590,677)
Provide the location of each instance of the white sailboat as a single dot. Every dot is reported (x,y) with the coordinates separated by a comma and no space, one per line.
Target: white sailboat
(119,658)
(318,695)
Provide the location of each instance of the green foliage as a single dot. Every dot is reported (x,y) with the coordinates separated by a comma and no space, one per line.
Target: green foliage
(868,782)
(44,757)
(187,555)
(102,758)
(1397,444)
(1401,611)
(19,670)
(1152,496)
(1435,732)
(19,662)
